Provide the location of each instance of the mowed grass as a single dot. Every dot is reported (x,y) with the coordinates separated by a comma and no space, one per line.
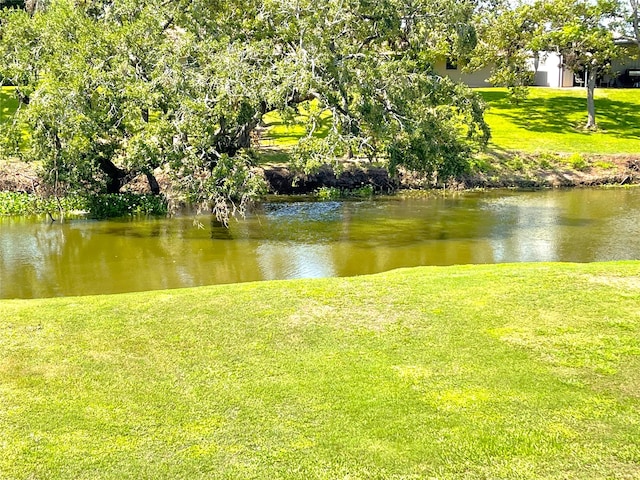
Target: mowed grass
(548,121)
(527,371)
(285,132)
(8,103)
(551,120)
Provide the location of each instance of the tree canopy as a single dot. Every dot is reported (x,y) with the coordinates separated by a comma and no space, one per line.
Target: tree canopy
(114,88)
(629,21)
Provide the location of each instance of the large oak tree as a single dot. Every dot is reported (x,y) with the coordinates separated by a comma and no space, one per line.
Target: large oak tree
(113,88)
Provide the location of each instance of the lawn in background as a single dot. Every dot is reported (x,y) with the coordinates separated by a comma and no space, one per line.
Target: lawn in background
(8,103)
(548,121)
(527,371)
(285,132)
(551,120)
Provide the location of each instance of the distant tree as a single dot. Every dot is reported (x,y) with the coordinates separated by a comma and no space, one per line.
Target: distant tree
(628,23)
(579,31)
(81,92)
(504,45)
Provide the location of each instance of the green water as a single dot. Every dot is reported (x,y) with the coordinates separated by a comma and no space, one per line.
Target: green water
(295,240)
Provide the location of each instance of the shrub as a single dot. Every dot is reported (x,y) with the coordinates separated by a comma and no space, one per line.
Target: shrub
(334,193)
(124,204)
(365,191)
(604,165)
(480,165)
(15,203)
(99,206)
(577,161)
(515,163)
(328,193)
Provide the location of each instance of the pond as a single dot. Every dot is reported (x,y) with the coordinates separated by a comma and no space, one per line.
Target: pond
(317,239)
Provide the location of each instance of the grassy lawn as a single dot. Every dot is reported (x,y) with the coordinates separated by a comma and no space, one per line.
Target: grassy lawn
(550,120)
(8,103)
(476,372)
(285,133)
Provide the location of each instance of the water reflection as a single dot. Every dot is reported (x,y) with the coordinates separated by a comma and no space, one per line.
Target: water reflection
(528,228)
(295,240)
(295,260)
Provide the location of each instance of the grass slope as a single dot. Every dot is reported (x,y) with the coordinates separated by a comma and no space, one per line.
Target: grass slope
(285,133)
(551,120)
(509,371)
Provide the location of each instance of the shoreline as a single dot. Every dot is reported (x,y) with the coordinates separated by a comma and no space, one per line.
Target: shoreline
(512,170)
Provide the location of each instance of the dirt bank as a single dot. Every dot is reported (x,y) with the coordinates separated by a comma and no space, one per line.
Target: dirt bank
(537,171)
(527,172)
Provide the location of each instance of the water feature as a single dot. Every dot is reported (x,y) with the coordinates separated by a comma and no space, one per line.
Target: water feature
(307,239)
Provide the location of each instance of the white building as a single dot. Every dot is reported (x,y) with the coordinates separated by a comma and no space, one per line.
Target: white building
(550,71)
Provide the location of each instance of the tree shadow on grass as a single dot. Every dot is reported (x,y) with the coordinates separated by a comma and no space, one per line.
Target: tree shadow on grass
(559,114)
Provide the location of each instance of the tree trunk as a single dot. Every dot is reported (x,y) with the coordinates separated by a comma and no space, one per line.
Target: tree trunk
(153,183)
(635,20)
(116,176)
(24,99)
(591,106)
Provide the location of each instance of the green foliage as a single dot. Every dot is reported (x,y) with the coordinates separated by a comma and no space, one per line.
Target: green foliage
(125,204)
(328,193)
(366,191)
(96,206)
(334,193)
(504,35)
(548,160)
(480,164)
(516,163)
(225,189)
(604,165)
(518,93)
(577,161)
(12,203)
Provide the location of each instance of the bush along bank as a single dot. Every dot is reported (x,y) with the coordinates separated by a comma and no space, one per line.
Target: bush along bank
(94,206)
